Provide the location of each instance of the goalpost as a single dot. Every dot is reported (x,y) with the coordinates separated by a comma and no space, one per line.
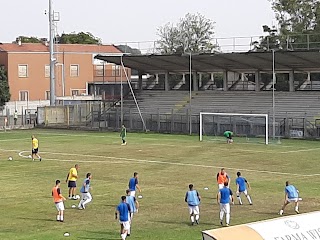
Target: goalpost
(242,124)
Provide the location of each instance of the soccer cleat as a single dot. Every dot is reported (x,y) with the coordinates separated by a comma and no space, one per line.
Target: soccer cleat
(128,235)
(40,159)
(82,206)
(297,211)
(281,212)
(197,222)
(192,223)
(221,223)
(227,225)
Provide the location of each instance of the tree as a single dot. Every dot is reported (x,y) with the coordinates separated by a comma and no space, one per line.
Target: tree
(128,49)
(298,26)
(25,39)
(193,33)
(78,38)
(4,87)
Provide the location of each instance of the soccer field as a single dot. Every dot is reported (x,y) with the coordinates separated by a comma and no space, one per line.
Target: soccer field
(166,165)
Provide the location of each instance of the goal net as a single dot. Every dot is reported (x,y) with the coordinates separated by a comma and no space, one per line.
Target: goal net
(250,127)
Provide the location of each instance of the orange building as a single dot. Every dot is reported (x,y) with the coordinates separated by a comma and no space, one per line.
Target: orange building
(76,70)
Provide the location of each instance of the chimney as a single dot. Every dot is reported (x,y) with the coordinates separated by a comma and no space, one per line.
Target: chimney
(18,41)
(45,41)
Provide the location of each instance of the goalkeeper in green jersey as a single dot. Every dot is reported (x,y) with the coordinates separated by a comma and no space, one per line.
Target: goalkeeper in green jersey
(228,135)
(123,135)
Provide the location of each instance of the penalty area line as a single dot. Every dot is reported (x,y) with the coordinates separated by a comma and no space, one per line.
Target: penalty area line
(133,160)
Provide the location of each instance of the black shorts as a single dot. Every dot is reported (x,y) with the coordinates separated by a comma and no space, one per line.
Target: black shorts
(35,151)
(72,184)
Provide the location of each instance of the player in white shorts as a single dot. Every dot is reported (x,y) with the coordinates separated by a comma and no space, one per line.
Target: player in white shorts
(193,199)
(291,195)
(58,200)
(123,210)
(223,199)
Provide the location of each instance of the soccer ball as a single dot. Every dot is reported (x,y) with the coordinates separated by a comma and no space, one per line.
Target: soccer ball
(10,158)
(231,140)
(77,197)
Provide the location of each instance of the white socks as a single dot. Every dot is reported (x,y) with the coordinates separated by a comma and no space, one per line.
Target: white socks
(239,199)
(192,218)
(249,199)
(197,217)
(58,217)
(221,215)
(123,236)
(228,218)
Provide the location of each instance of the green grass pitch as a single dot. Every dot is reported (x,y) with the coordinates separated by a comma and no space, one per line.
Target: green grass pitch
(166,165)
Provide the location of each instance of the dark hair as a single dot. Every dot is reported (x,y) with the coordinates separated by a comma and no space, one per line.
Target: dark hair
(226,183)
(135,174)
(123,198)
(57,182)
(76,165)
(222,169)
(88,174)
(190,186)
(287,183)
(127,191)
(238,174)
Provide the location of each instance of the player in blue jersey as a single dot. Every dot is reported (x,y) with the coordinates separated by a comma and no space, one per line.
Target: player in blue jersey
(291,195)
(223,198)
(193,199)
(133,184)
(123,210)
(85,192)
(134,206)
(242,185)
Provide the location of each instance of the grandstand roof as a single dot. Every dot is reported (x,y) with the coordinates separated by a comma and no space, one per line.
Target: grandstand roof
(218,62)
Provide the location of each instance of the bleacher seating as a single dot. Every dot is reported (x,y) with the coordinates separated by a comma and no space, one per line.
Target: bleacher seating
(288,104)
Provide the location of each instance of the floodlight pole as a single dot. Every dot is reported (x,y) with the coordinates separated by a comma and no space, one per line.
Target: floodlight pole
(190,93)
(273,97)
(52,60)
(121,91)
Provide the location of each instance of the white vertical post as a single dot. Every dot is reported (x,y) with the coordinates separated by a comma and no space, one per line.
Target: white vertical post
(52,60)
(267,129)
(200,127)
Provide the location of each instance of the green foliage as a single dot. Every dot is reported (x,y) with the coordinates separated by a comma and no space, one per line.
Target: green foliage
(25,39)
(193,33)
(128,49)
(78,38)
(298,26)
(4,87)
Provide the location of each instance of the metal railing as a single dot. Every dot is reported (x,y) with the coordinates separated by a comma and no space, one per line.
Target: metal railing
(239,44)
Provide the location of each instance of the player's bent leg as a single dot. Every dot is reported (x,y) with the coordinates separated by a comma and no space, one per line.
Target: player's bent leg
(227,209)
(197,214)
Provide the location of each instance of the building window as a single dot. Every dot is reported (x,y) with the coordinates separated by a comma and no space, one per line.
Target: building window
(23,71)
(47,95)
(47,71)
(74,70)
(99,70)
(75,93)
(115,70)
(24,96)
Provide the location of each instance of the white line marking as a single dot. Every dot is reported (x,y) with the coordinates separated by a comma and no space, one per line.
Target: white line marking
(161,162)
(301,150)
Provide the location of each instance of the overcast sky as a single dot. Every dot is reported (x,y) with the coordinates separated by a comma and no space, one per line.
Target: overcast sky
(125,21)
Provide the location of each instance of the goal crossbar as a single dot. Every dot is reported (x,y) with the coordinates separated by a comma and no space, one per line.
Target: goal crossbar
(265,116)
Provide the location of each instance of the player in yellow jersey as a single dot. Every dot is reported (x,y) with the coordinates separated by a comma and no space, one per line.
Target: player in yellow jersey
(72,181)
(35,148)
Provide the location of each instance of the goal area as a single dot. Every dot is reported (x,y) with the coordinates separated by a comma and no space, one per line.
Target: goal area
(248,126)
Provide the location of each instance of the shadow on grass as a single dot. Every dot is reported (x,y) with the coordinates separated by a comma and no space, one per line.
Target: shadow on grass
(38,219)
(208,224)
(103,235)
